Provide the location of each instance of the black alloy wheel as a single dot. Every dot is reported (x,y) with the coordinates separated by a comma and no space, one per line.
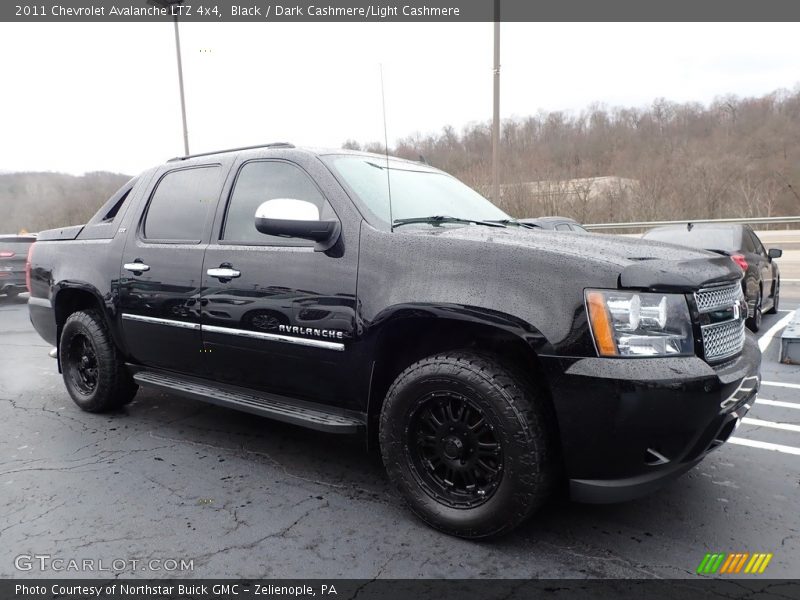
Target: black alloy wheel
(454,450)
(80,364)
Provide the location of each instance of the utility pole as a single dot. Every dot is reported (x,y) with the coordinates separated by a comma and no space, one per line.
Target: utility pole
(496,115)
(168,4)
(180,86)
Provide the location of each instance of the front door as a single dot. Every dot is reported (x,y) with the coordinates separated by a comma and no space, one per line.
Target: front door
(161,270)
(278,316)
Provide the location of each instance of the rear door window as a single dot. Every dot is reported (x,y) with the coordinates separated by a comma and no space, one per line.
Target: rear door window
(182,203)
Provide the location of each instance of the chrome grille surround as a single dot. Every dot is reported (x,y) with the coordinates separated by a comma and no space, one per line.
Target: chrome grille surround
(725,296)
(723,340)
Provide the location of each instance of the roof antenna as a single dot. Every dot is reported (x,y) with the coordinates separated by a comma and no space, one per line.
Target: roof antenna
(386,148)
(689,226)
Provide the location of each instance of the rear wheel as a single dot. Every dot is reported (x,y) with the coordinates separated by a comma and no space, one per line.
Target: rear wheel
(467,444)
(93,370)
(12,293)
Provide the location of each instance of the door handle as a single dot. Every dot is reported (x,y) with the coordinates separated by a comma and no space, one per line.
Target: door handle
(136,267)
(224,273)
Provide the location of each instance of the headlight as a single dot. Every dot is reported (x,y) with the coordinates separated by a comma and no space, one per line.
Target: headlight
(639,324)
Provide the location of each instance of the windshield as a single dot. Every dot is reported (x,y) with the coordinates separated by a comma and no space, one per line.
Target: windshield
(416,190)
(704,238)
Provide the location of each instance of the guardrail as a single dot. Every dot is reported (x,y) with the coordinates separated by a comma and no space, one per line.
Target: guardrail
(648,224)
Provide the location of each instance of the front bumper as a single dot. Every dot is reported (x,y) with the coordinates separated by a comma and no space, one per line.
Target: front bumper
(628,426)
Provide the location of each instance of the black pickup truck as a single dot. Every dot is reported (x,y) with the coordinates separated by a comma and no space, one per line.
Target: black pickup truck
(491,363)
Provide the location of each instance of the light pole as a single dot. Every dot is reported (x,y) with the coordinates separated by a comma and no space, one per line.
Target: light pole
(496,114)
(168,5)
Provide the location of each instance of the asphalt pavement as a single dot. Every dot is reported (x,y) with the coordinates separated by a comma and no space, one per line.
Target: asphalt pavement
(170,479)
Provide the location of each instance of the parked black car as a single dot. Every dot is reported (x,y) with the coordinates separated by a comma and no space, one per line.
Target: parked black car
(13,254)
(557,223)
(492,364)
(761,284)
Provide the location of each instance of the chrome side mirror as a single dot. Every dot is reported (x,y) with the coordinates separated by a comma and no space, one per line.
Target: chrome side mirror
(292,218)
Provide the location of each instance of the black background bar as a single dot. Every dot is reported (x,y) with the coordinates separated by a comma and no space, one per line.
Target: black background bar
(405,10)
(732,588)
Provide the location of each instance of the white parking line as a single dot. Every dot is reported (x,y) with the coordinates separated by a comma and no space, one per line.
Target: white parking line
(772,424)
(780,403)
(794,386)
(765,339)
(765,445)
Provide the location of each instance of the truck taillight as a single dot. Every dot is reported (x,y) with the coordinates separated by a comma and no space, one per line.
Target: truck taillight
(740,260)
(28,269)
(5,254)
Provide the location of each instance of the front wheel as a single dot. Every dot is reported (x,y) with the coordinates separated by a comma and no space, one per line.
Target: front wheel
(467,444)
(754,322)
(93,370)
(775,299)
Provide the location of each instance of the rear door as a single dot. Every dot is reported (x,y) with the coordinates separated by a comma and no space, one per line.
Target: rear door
(161,270)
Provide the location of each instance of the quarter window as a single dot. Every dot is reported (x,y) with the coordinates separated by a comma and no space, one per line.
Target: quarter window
(259,181)
(182,203)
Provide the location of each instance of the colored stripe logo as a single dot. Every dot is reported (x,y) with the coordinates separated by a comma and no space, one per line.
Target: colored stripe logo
(723,563)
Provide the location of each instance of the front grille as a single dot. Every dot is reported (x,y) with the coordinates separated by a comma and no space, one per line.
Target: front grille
(719,297)
(723,340)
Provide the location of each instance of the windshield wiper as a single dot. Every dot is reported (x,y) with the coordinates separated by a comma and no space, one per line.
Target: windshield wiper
(516,223)
(437,219)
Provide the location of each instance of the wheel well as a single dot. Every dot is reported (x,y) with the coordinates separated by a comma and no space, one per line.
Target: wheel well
(72,300)
(408,340)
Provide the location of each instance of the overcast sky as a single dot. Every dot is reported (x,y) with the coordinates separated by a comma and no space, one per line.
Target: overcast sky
(85,97)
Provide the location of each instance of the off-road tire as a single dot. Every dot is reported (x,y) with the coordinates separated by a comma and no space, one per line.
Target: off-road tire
(519,415)
(113,386)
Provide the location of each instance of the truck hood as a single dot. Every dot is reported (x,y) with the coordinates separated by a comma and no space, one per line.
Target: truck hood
(642,264)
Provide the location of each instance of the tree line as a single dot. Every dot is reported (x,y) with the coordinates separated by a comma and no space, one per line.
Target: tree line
(737,157)
(38,201)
